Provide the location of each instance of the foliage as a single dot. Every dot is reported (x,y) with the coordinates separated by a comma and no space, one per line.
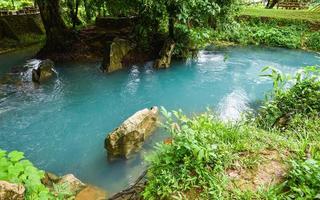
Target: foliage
(292,29)
(313,41)
(299,94)
(265,35)
(15,4)
(190,40)
(62,191)
(303,180)
(282,14)
(202,148)
(193,164)
(14,168)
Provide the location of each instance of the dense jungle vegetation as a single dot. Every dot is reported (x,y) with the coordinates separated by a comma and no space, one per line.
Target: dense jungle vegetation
(192,24)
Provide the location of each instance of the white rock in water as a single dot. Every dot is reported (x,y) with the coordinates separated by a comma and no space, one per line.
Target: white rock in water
(132,133)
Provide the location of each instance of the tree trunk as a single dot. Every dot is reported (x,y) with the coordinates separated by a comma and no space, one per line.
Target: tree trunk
(58,36)
(87,10)
(77,20)
(271,3)
(172,11)
(171,27)
(14,7)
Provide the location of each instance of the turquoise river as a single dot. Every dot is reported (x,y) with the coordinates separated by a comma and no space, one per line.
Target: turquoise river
(61,125)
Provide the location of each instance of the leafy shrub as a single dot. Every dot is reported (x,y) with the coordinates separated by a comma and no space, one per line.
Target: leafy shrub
(291,95)
(303,180)
(190,39)
(313,41)
(14,168)
(289,37)
(202,148)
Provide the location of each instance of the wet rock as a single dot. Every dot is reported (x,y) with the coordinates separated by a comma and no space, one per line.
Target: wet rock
(118,49)
(91,193)
(130,136)
(49,179)
(44,71)
(11,191)
(165,55)
(75,184)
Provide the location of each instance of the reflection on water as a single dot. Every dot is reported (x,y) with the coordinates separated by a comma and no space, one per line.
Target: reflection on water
(61,125)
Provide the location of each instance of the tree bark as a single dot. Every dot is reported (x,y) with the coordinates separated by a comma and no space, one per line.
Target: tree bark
(271,3)
(171,27)
(58,36)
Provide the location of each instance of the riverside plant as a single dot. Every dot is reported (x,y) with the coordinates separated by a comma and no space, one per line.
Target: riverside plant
(14,168)
(195,164)
(291,95)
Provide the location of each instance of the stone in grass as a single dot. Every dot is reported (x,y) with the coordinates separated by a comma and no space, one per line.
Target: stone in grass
(11,191)
(130,136)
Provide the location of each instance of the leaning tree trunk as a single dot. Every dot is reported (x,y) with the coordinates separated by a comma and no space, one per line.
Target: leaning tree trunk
(171,27)
(58,36)
(271,3)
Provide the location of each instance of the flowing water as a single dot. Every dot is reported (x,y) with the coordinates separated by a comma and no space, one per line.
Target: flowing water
(61,125)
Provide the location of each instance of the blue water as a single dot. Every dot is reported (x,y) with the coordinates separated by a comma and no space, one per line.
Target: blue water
(61,125)
(16,58)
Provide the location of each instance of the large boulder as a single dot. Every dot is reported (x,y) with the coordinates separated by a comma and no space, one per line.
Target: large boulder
(11,191)
(165,55)
(113,57)
(44,71)
(130,136)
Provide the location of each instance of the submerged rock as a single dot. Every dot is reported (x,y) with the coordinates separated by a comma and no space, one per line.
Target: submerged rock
(11,191)
(130,136)
(118,49)
(44,71)
(166,52)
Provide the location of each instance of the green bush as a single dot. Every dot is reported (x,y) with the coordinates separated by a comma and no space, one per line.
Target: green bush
(190,40)
(313,41)
(299,94)
(15,168)
(195,163)
(202,148)
(303,180)
(289,37)
(276,32)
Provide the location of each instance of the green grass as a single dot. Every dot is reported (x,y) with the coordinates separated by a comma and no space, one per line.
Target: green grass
(313,16)
(294,29)
(204,152)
